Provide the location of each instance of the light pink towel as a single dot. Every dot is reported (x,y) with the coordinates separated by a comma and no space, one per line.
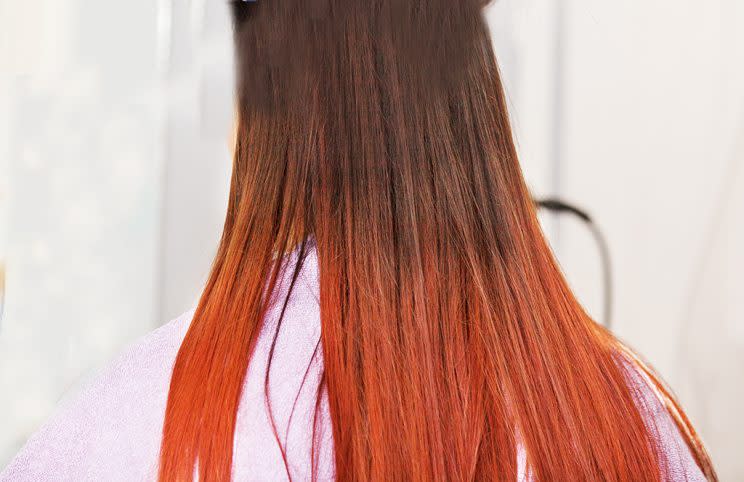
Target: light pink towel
(110,431)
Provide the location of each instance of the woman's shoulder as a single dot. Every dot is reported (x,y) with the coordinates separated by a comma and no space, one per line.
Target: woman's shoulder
(112,424)
(657,409)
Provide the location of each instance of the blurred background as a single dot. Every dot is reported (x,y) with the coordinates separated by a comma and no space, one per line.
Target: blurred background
(114,163)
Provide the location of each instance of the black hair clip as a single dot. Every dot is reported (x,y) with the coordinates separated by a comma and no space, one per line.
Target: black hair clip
(241,10)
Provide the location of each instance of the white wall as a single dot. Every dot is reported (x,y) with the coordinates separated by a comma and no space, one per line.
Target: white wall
(653,126)
(198,120)
(635,111)
(523,33)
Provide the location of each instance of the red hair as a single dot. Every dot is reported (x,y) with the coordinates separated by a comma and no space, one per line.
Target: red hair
(378,131)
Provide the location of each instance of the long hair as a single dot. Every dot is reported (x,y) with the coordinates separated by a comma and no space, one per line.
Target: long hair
(377,131)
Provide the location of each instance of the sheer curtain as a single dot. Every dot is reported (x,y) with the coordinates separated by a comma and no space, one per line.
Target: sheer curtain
(114,164)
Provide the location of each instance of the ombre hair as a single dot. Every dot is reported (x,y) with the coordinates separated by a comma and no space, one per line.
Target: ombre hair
(377,131)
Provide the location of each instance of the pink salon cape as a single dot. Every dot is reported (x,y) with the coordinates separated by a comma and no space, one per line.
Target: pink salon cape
(110,429)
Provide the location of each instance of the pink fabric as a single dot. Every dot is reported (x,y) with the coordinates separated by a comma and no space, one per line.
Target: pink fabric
(110,430)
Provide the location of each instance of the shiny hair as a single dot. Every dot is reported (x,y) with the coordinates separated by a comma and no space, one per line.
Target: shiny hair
(377,132)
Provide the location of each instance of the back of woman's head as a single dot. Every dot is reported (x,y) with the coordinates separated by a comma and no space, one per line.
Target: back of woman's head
(377,131)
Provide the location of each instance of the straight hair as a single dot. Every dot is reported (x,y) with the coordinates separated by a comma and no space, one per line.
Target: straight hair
(376,133)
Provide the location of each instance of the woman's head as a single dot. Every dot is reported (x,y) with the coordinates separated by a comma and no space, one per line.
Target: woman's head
(370,93)
(377,130)
(286,49)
